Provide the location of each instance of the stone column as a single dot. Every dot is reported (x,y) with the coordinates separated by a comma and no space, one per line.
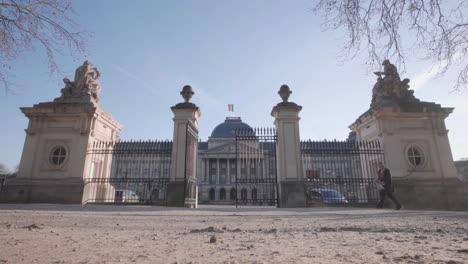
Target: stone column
(183,114)
(228,170)
(292,192)
(217,171)
(207,171)
(202,174)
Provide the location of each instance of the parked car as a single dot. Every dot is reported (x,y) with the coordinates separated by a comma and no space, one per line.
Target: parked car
(327,196)
(126,196)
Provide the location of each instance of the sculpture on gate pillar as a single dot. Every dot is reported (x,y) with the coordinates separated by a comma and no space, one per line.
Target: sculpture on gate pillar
(284,92)
(390,89)
(187,93)
(85,86)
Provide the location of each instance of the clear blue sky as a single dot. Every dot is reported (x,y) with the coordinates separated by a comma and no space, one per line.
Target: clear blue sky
(231,52)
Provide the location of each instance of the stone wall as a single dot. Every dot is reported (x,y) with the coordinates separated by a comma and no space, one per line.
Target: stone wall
(450,194)
(67,191)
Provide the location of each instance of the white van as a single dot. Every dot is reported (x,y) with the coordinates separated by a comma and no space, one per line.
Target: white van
(126,196)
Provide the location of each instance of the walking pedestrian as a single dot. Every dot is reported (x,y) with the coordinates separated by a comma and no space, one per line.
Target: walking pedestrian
(385,178)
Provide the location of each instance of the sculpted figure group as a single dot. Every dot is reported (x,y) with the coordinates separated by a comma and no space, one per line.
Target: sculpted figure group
(85,85)
(390,88)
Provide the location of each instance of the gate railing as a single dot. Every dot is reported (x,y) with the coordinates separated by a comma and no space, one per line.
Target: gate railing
(256,178)
(340,172)
(190,179)
(127,190)
(4,178)
(128,172)
(342,191)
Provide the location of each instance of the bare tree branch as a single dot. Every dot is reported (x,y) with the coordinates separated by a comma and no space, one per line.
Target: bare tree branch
(394,28)
(27,23)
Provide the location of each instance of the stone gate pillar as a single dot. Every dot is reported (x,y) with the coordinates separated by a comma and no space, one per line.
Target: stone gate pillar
(182,189)
(415,142)
(292,191)
(54,162)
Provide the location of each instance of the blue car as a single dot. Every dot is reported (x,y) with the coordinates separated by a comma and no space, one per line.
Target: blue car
(327,196)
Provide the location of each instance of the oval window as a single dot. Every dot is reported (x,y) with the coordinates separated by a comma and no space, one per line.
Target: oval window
(58,155)
(415,156)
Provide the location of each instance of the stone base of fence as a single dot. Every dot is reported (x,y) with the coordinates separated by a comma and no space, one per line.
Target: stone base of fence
(175,194)
(67,191)
(432,194)
(292,194)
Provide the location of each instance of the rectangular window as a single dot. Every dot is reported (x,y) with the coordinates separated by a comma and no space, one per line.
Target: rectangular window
(91,170)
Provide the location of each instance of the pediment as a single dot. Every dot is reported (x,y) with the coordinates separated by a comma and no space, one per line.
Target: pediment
(230,147)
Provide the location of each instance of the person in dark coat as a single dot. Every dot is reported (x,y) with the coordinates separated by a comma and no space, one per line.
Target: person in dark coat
(385,178)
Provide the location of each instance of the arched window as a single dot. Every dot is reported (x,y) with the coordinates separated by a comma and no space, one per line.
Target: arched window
(233,194)
(243,194)
(212,194)
(154,195)
(222,194)
(254,194)
(415,156)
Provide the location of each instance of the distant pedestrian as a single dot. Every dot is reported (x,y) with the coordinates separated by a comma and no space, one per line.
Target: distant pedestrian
(385,178)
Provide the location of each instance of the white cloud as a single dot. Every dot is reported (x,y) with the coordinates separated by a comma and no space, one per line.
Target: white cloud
(418,81)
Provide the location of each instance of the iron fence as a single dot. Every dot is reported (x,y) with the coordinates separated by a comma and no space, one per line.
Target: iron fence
(256,180)
(126,190)
(340,172)
(128,172)
(342,191)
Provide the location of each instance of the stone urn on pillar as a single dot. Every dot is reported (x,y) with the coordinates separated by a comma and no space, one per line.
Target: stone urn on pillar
(182,189)
(292,192)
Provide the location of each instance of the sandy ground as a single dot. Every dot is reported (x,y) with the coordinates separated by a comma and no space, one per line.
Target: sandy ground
(138,234)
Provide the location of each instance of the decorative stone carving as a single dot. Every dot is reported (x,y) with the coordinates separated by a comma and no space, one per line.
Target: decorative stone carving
(187,93)
(390,90)
(284,92)
(84,88)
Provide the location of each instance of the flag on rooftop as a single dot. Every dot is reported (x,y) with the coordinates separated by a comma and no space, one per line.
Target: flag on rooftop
(231,107)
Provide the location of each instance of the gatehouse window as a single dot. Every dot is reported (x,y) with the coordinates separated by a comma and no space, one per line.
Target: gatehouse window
(254,194)
(243,194)
(57,155)
(415,156)
(212,194)
(233,194)
(222,194)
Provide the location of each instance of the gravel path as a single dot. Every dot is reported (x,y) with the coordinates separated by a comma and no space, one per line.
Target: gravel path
(214,234)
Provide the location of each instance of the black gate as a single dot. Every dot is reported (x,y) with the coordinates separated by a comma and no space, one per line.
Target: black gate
(190,179)
(342,172)
(128,172)
(256,180)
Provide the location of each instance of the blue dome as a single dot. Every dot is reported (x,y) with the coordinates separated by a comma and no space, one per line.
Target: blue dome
(227,129)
